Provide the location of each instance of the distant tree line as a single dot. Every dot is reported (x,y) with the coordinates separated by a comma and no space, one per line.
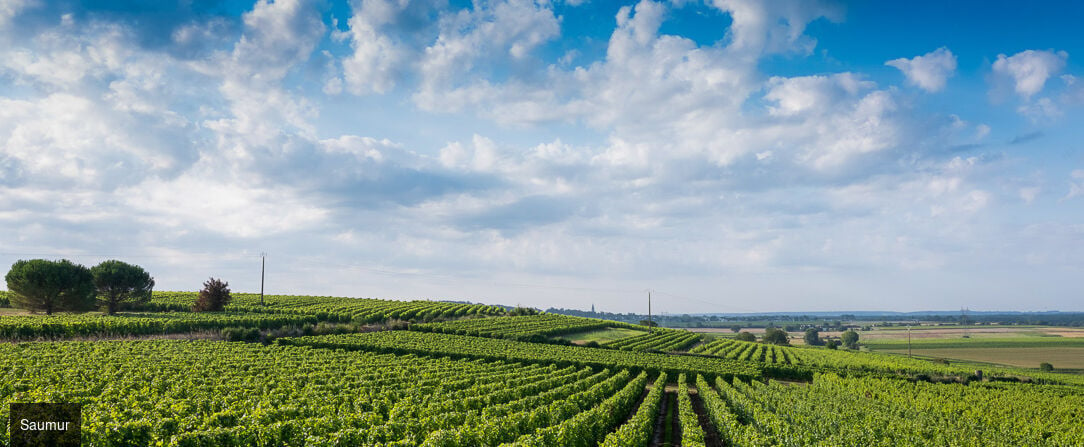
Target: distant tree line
(798,323)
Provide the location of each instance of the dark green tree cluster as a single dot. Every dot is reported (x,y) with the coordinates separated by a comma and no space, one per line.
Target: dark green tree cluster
(119,283)
(813,337)
(53,286)
(776,336)
(746,336)
(850,339)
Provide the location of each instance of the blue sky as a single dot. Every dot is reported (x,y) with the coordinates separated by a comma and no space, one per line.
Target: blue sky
(734,156)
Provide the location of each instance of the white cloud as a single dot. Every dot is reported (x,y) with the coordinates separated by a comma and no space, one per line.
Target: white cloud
(1041,109)
(1076,184)
(222,207)
(981,131)
(11,8)
(474,42)
(1028,194)
(1030,69)
(930,71)
(774,26)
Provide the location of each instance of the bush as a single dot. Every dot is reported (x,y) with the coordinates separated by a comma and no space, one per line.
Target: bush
(214,297)
(746,336)
(850,339)
(1044,366)
(776,337)
(251,335)
(813,337)
(831,344)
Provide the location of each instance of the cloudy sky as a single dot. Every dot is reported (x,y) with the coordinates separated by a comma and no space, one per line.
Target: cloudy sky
(733,155)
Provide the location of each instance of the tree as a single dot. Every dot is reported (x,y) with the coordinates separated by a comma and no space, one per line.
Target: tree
(522,311)
(746,336)
(735,328)
(813,337)
(850,339)
(776,337)
(831,344)
(50,286)
(651,323)
(214,297)
(121,283)
(1046,367)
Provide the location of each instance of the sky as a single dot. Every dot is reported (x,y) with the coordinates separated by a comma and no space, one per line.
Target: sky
(730,155)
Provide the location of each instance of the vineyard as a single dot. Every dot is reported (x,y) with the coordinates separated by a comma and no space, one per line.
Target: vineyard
(662,340)
(327,308)
(462,375)
(521,327)
(814,360)
(410,342)
(27,327)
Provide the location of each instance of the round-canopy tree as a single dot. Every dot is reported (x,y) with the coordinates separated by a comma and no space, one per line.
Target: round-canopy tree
(813,337)
(776,336)
(120,283)
(214,297)
(850,339)
(50,286)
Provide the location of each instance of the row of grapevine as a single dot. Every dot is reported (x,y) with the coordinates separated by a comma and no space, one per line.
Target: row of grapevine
(807,361)
(410,342)
(29,327)
(519,327)
(692,435)
(638,430)
(748,351)
(526,415)
(659,340)
(328,308)
(888,412)
(588,428)
(169,392)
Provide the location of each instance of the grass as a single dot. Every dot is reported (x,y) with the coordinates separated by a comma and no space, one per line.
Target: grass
(1025,357)
(601,335)
(972,343)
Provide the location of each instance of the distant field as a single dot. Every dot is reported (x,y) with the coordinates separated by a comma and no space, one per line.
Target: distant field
(939,332)
(601,335)
(1027,357)
(968,343)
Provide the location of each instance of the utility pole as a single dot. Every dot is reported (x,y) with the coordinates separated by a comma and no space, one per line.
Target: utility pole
(649,327)
(263,263)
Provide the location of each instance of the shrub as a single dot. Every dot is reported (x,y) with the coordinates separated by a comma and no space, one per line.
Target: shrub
(776,337)
(850,339)
(746,336)
(214,297)
(1044,366)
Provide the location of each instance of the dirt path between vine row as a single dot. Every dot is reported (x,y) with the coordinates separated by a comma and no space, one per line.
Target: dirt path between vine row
(711,435)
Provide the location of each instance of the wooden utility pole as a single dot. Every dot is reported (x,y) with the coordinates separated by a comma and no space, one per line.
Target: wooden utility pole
(263,263)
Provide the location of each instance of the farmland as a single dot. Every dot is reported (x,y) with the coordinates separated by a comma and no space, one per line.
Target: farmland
(423,373)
